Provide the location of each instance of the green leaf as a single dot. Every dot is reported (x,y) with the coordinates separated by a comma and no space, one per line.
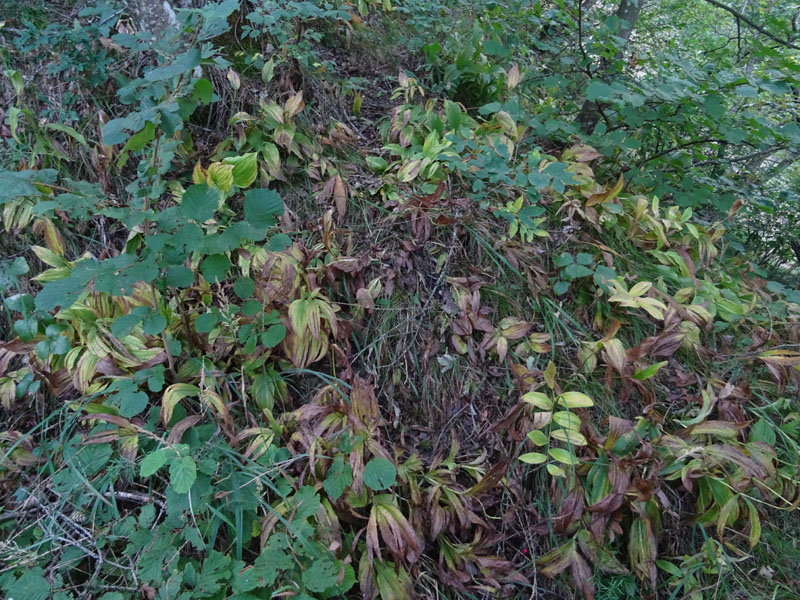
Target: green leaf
(262,207)
(251,307)
(245,169)
(268,71)
(583,258)
(203,91)
(273,336)
(539,400)
(379,474)
(377,164)
(206,322)
(180,277)
(762,431)
(215,268)
(338,478)
(214,574)
(199,202)
(647,373)
(321,575)
(560,288)
(132,403)
(42,349)
(279,242)
(538,437)
(576,271)
(183,64)
(31,585)
(16,81)
(27,328)
(533,458)
(182,474)
(597,90)
(244,287)
(153,462)
(452,115)
(563,260)
(125,324)
(747,91)
(59,345)
(154,323)
(563,456)
(567,419)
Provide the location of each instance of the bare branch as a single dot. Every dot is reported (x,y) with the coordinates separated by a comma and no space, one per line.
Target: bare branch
(740,17)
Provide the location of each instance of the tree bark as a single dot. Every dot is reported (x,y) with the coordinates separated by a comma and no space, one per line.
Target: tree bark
(152,16)
(628,12)
(157,16)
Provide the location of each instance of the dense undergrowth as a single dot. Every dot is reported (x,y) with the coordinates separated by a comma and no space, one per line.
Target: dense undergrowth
(316,301)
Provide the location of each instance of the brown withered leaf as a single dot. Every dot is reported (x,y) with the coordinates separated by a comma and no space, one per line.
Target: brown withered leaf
(177,430)
(570,510)
(492,477)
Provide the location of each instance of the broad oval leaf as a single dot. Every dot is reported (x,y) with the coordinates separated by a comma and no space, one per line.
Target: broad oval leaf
(567,419)
(539,400)
(533,458)
(569,436)
(563,456)
(575,400)
(245,169)
(538,437)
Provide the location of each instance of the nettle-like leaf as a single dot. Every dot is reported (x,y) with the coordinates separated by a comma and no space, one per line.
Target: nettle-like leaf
(379,474)
(199,203)
(338,478)
(262,207)
(182,474)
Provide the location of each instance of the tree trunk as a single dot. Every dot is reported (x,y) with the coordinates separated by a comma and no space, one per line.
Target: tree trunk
(628,12)
(156,16)
(152,16)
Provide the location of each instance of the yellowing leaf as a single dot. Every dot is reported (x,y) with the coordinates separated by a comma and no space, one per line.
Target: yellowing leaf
(575,400)
(614,354)
(640,288)
(245,169)
(198,173)
(533,458)
(221,176)
(570,436)
(409,170)
(538,438)
(539,400)
(295,104)
(172,395)
(550,375)
(567,419)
